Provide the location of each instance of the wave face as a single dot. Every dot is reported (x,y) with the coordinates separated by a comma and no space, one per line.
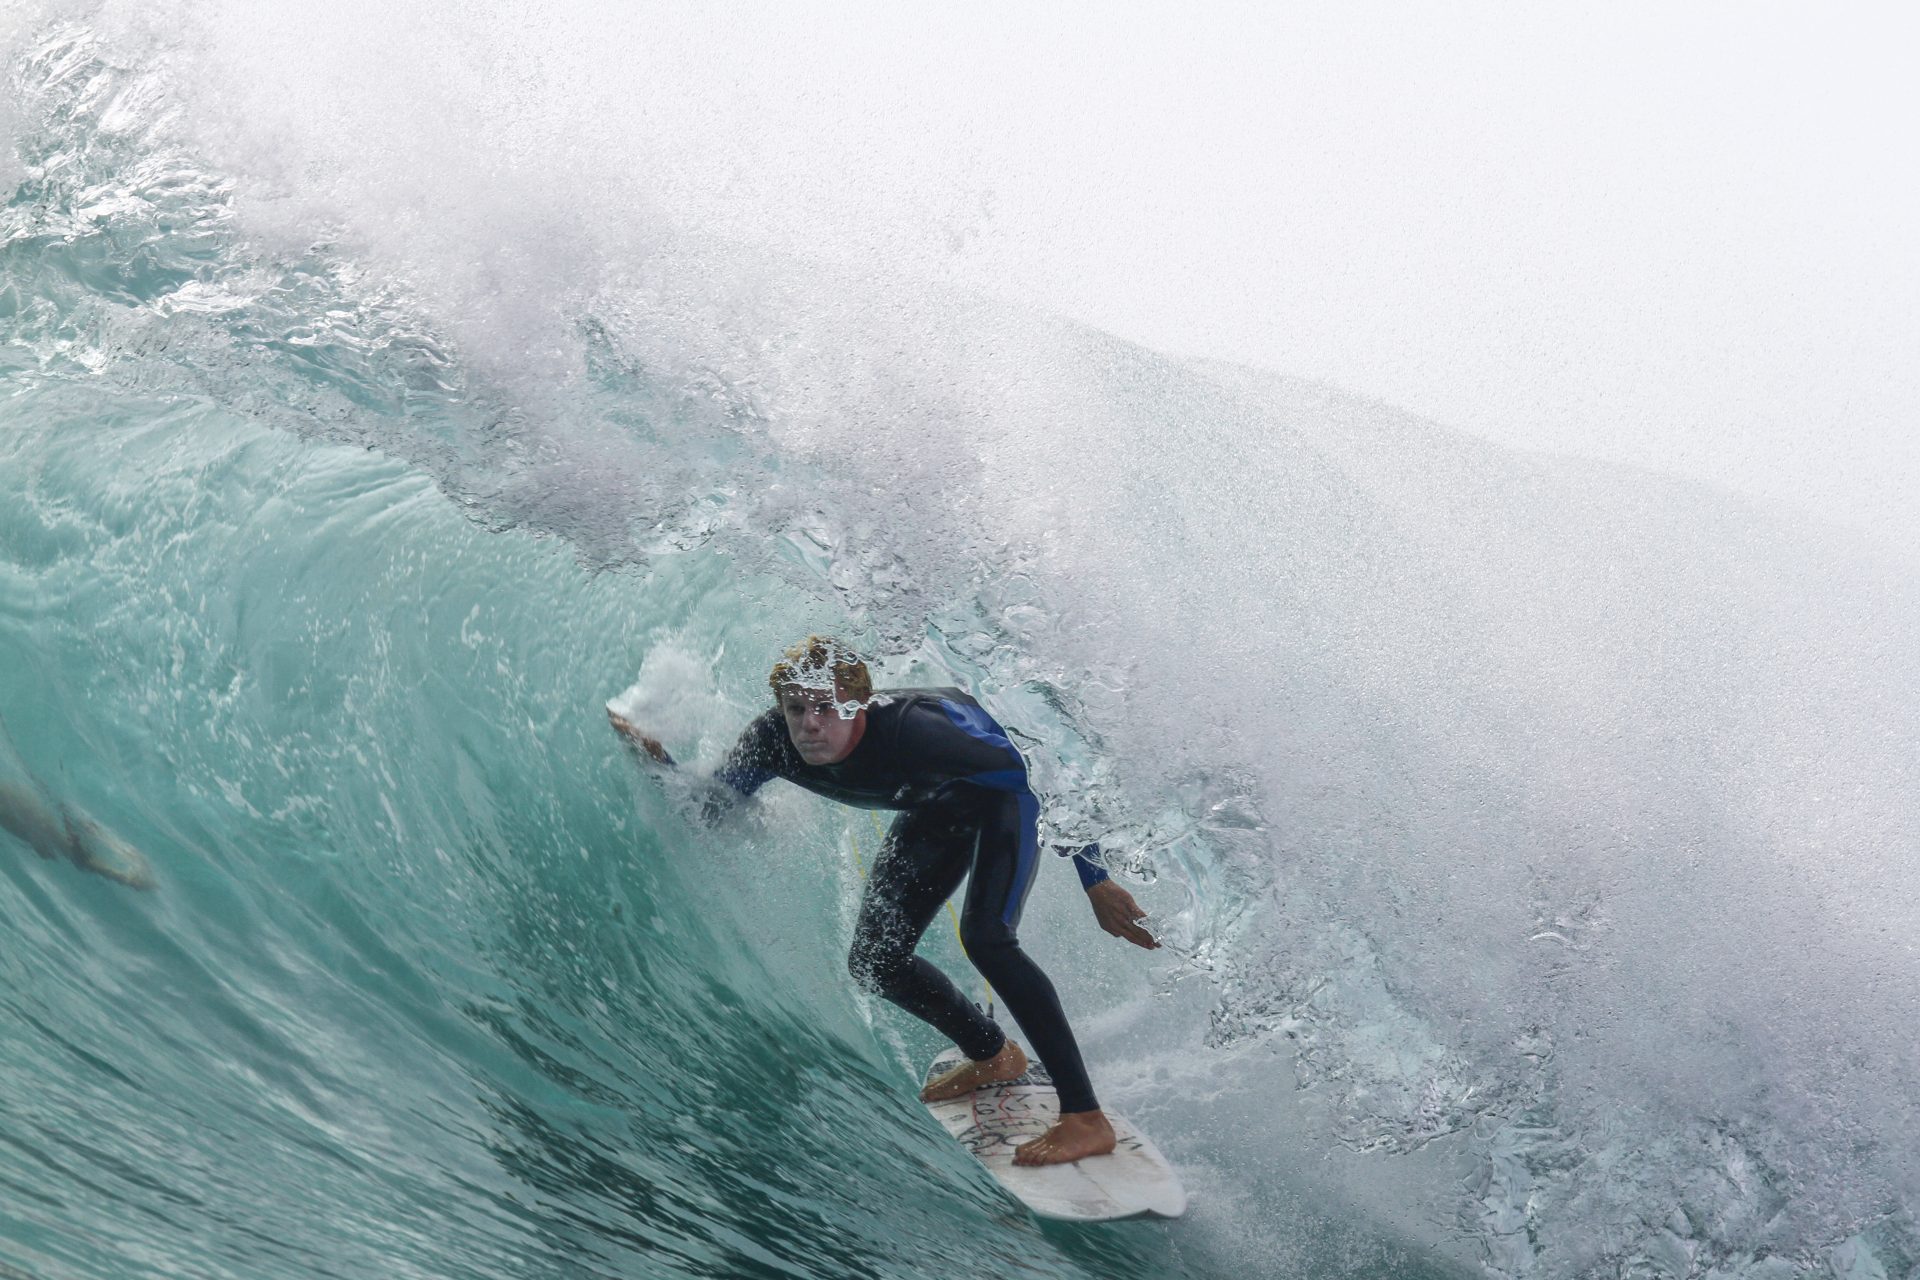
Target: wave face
(1532,839)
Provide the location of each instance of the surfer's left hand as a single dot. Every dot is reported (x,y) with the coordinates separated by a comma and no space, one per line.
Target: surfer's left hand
(1119,914)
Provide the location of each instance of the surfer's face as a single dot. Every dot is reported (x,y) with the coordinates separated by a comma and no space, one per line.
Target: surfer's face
(819,733)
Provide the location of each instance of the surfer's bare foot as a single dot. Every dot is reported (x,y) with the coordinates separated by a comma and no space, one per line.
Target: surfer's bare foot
(1077,1135)
(1007,1064)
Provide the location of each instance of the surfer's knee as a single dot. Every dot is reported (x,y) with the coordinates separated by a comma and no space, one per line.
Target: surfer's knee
(874,967)
(990,947)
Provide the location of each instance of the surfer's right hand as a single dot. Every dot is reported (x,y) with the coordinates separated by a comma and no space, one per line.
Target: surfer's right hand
(1119,914)
(631,732)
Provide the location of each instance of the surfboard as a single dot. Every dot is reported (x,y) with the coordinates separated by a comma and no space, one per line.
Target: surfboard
(1135,1181)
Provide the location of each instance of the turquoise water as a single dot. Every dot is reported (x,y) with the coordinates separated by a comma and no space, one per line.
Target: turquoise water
(419,990)
(1532,840)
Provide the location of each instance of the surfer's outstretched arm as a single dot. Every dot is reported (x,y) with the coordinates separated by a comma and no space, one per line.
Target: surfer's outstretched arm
(640,742)
(742,773)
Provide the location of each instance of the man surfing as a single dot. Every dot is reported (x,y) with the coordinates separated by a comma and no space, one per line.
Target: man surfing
(965,812)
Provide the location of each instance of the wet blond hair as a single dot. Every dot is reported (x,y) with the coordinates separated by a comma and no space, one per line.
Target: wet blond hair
(822,662)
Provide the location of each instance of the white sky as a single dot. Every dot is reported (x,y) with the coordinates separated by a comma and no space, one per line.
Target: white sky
(1684,234)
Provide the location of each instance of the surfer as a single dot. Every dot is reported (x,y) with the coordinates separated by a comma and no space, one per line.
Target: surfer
(965,812)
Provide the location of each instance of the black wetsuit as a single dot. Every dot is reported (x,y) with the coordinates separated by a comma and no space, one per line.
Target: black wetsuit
(966,812)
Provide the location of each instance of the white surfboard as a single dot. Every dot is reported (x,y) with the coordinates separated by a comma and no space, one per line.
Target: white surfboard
(1134,1181)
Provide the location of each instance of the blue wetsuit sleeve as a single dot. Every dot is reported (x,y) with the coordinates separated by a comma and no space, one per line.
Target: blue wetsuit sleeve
(750,765)
(960,743)
(982,755)
(965,745)
(1091,872)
